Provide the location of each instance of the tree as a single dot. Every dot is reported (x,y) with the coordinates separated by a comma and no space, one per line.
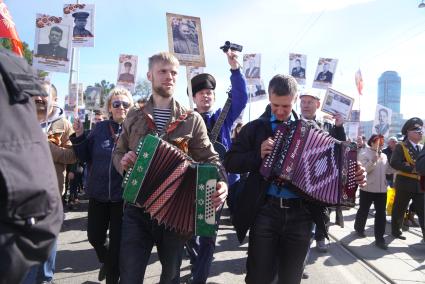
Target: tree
(143,89)
(106,87)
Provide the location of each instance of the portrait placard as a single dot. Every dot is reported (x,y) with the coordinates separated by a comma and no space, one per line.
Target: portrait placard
(355,115)
(77,89)
(82,17)
(382,122)
(92,97)
(352,130)
(325,71)
(256,90)
(193,71)
(252,66)
(53,43)
(185,39)
(127,71)
(297,67)
(336,102)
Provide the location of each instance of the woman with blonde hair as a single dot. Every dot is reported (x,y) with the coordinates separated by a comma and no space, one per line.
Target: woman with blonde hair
(104,182)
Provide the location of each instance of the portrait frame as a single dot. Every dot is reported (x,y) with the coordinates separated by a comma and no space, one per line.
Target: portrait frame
(123,78)
(327,80)
(256,90)
(41,59)
(81,41)
(92,97)
(382,128)
(255,74)
(299,75)
(337,102)
(195,55)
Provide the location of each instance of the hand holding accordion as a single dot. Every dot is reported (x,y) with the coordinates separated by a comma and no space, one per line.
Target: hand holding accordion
(322,167)
(172,188)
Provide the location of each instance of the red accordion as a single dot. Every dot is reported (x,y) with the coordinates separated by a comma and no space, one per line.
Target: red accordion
(172,188)
(322,167)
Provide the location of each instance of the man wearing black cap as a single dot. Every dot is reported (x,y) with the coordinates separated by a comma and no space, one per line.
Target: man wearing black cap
(201,249)
(407,185)
(127,76)
(80,20)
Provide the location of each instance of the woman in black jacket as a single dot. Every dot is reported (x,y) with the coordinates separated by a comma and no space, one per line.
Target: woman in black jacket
(104,182)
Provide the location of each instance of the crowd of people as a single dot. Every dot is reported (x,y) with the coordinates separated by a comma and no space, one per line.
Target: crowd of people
(278,218)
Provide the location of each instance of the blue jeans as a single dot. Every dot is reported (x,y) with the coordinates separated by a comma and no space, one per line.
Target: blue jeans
(201,251)
(139,234)
(278,242)
(44,271)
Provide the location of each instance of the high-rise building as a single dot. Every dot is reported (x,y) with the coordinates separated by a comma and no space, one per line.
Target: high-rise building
(389,93)
(389,90)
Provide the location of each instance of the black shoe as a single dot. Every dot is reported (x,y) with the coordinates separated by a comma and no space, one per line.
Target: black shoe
(381,245)
(305,275)
(361,234)
(102,273)
(399,236)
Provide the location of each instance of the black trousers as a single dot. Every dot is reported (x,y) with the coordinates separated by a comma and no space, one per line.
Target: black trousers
(101,217)
(278,243)
(401,201)
(379,201)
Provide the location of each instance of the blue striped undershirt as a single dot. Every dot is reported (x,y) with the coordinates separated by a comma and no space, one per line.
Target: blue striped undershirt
(161,116)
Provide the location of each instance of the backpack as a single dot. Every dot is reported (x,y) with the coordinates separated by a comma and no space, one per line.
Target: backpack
(31,210)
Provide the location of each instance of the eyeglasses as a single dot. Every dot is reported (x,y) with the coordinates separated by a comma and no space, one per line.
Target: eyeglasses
(117,104)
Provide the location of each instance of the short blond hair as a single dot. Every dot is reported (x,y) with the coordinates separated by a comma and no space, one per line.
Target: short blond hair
(165,57)
(117,91)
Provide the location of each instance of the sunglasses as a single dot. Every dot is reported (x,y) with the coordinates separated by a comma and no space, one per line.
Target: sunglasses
(117,104)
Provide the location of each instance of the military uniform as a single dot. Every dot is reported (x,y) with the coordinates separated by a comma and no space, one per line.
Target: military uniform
(406,185)
(53,51)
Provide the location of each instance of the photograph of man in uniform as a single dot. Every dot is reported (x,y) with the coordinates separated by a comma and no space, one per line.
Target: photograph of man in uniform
(127,76)
(53,48)
(185,37)
(298,71)
(382,122)
(80,21)
(252,70)
(325,75)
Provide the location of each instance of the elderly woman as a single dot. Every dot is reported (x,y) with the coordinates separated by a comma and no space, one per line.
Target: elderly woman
(375,191)
(104,182)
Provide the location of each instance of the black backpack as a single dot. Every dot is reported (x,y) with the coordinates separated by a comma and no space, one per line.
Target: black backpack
(31,212)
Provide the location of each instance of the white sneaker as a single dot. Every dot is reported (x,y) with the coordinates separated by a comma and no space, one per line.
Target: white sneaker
(322,246)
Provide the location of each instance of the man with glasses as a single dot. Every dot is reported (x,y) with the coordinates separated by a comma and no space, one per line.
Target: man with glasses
(407,180)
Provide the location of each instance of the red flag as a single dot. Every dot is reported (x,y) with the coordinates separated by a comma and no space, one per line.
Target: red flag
(7,29)
(359,81)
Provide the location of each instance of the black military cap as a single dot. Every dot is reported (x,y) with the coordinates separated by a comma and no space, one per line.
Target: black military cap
(80,15)
(414,123)
(202,81)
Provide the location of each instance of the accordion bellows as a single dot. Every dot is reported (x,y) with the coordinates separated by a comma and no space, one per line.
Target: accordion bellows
(172,188)
(322,167)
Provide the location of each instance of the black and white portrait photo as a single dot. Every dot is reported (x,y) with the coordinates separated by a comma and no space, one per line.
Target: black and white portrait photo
(82,16)
(382,122)
(53,43)
(325,71)
(297,67)
(185,39)
(251,65)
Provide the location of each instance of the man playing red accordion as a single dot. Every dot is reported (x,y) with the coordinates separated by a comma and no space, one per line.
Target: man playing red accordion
(279,219)
(164,116)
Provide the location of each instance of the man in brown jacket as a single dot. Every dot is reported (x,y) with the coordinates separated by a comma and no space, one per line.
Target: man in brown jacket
(57,129)
(164,116)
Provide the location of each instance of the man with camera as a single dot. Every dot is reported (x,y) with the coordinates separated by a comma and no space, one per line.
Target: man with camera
(201,249)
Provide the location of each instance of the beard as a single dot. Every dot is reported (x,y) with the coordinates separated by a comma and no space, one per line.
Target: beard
(162,92)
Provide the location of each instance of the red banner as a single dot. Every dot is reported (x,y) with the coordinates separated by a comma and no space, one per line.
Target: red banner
(7,29)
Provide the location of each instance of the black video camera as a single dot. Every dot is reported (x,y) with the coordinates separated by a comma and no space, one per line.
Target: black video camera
(233,46)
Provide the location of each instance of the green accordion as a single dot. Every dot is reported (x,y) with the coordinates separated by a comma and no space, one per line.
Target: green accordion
(172,188)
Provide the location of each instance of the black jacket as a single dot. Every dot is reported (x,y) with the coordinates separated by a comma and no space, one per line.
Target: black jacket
(245,157)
